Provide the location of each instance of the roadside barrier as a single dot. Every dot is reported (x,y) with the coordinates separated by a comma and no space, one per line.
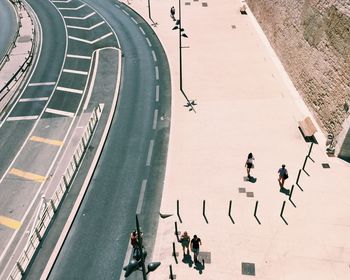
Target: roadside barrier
(48,212)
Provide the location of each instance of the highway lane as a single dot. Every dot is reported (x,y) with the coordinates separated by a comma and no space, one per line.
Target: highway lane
(133,158)
(8,25)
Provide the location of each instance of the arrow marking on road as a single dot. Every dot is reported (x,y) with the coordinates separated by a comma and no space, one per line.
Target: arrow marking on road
(90,42)
(85,28)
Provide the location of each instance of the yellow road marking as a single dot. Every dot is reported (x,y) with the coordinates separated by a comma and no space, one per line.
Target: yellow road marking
(11,223)
(27,175)
(47,141)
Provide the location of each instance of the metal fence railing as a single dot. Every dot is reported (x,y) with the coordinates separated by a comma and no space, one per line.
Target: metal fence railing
(50,206)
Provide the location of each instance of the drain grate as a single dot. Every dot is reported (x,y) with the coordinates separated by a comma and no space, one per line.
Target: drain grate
(241,190)
(250,194)
(325,165)
(248,269)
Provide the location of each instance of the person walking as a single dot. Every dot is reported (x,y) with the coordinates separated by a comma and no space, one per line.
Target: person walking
(172,13)
(185,242)
(195,242)
(283,175)
(249,164)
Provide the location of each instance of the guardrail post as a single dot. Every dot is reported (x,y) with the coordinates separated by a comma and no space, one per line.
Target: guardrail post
(53,205)
(20,268)
(37,233)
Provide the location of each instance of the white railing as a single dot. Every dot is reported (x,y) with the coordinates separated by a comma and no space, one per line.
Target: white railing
(52,204)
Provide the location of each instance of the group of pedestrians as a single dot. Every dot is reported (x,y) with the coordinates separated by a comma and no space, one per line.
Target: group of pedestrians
(282,172)
(193,244)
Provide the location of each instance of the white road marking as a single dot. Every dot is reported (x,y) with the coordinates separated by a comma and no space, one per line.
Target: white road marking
(155,119)
(82,18)
(86,28)
(33,99)
(41,84)
(59,112)
(134,20)
(61,1)
(142,194)
(72,90)
(150,152)
(157,93)
(90,42)
(75,72)
(91,85)
(125,12)
(79,56)
(148,42)
(22,118)
(154,56)
(73,9)
(157,73)
(143,32)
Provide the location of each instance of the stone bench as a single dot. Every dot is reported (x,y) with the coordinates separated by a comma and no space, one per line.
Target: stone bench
(307,127)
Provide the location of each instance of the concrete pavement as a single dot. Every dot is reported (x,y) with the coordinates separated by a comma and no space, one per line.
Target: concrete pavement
(246,103)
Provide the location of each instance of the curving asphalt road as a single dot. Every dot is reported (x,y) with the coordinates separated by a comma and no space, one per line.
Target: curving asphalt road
(132,162)
(7,25)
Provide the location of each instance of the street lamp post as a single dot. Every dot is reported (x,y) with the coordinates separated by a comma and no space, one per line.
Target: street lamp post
(182,34)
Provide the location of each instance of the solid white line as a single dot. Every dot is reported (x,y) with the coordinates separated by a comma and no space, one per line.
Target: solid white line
(61,1)
(72,9)
(59,112)
(154,56)
(125,12)
(33,99)
(75,72)
(134,20)
(90,42)
(86,28)
(155,119)
(157,93)
(41,84)
(72,90)
(82,18)
(91,85)
(150,151)
(142,194)
(143,32)
(157,73)
(22,118)
(79,56)
(148,42)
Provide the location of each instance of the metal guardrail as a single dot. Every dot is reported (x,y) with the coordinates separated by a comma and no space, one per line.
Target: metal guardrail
(18,74)
(53,203)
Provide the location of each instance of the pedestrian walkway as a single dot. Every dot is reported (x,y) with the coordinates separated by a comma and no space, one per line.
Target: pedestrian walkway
(246,103)
(17,57)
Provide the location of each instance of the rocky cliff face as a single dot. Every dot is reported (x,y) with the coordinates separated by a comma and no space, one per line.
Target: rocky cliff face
(312,39)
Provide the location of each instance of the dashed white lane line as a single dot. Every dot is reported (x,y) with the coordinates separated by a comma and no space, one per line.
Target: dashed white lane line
(142,194)
(41,84)
(125,12)
(86,28)
(155,119)
(82,18)
(75,72)
(150,152)
(154,56)
(134,20)
(90,42)
(59,112)
(157,93)
(73,9)
(148,42)
(157,72)
(142,31)
(22,118)
(79,56)
(33,99)
(72,90)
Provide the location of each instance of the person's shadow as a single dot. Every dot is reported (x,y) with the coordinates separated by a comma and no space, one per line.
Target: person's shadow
(285,191)
(188,260)
(250,179)
(199,266)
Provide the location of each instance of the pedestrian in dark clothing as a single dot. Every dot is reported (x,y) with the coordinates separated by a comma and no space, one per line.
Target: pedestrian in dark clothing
(172,13)
(195,242)
(283,175)
(249,164)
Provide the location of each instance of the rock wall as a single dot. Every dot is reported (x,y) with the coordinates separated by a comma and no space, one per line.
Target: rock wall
(312,39)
